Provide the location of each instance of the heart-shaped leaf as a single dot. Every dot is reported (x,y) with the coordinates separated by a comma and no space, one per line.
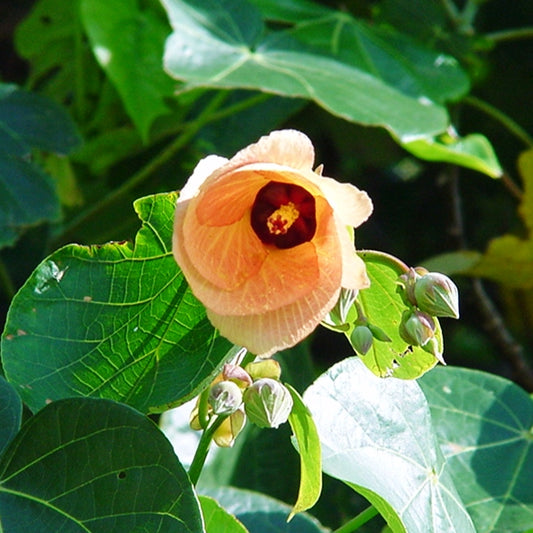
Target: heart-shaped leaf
(376,434)
(484,424)
(224,43)
(115,321)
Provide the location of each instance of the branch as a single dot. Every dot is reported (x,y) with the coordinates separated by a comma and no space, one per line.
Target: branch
(493,321)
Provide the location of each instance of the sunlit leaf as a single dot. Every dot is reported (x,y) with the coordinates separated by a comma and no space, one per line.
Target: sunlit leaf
(377,434)
(308,444)
(128,42)
(115,321)
(262,514)
(94,465)
(217,519)
(472,151)
(484,425)
(223,44)
(383,307)
(10,413)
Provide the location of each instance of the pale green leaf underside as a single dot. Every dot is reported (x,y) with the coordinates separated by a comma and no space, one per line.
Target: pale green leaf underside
(114,321)
(377,434)
(484,426)
(222,44)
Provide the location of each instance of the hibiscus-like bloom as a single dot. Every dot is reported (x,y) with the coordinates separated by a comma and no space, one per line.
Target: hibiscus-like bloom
(263,241)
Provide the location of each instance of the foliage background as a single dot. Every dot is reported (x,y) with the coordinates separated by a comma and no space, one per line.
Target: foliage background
(422,209)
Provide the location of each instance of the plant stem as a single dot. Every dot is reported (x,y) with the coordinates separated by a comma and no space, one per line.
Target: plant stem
(500,117)
(511,35)
(203,448)
(191,130)
(357,521)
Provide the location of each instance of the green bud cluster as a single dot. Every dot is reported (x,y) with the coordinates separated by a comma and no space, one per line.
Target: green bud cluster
(431,292)
(238,394)
(428,295)
(268,403)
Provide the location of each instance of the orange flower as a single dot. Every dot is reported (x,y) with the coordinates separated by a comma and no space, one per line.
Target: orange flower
(264,244)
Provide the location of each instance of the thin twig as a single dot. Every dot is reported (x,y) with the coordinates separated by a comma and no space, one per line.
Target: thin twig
(498,115)
(493,322)
(510,35)
(496,328)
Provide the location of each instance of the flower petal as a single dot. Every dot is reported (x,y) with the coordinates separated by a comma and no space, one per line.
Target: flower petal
(354,274)
(202,171)
(266,333)
(350,204)
(284,276)
(284,147)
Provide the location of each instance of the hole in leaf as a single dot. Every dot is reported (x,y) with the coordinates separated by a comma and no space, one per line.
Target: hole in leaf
(121,475)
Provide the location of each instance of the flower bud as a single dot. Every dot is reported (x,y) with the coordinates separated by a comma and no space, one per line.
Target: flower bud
(267,368)
(339,314)
(407,284)
(378,333)
(417,327)
(237,374)
(267,403)
(361,339)
(227,432)
(432,347)
(225,397)
(437,295)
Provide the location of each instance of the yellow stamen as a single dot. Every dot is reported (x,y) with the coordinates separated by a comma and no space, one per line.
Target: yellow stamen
(282,219)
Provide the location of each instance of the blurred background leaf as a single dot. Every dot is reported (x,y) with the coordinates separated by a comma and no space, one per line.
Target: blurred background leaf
(28,123)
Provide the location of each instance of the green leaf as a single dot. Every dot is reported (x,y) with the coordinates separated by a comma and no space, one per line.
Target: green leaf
(262,514)
(387,55)
(50,38)
(484,425)
(10,413)
(223,44)
(217,519)
(452,262)
(377,434)
(383,307)
(30,120)
(290,11)
(27,194)
(128,42)
(94,465)
(308,445)
(115,321)
(508,260)
(472,151)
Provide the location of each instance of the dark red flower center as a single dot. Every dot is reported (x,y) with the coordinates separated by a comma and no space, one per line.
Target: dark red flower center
(284,215)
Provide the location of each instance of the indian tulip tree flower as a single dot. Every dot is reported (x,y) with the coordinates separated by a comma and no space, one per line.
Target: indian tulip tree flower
(264,241)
